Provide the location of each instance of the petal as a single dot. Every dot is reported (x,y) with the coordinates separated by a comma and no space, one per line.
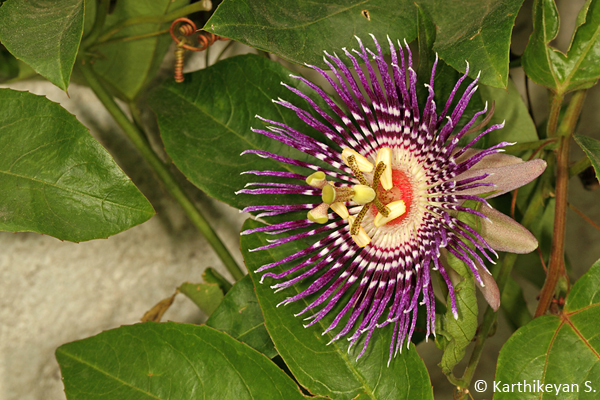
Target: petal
(490,290)
(506,177)
(505,234)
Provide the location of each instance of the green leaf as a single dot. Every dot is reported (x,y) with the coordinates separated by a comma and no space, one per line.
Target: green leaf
(591,147)
(445,77)
(538,58)
(329,370)
(458,333)
(56,179)
(557,350)
(476,31)
(240,316)
(580,67)
(300,31)
(206,123)
(206,296)
(169,361)
(426,39)
(510,108)
(129,65)
(44,34)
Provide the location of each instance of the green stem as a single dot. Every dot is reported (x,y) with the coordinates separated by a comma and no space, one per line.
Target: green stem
(136,114)
(581,165)
(231,42)
(203,5)
(101,13)
(161,170)
(130,38)
(557,257)
(555,105)
(207,57)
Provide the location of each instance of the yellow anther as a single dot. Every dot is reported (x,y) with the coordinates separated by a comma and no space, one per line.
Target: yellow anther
(319,214)
(317,179)
(361,239)
(385,155)
(363,194)
(340,209)
(397,208)
(363,164)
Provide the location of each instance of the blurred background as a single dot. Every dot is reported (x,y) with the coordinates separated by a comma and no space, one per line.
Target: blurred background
(53,292)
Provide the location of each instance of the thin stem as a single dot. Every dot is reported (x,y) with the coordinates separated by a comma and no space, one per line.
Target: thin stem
(529,109)
(585,217)
(136,114)
(229,44)
(579,166)
(131,38)
(539,251)
(204,5)
(557,258)
(555,105)
(101,13)
(161,170)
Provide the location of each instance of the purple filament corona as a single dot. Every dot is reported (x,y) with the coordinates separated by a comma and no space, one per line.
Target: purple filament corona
(386,267)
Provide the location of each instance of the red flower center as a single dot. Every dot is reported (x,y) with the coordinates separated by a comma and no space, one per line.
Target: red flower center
(402,190)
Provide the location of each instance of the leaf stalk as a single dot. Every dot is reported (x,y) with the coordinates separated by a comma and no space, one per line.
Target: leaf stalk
(101,13)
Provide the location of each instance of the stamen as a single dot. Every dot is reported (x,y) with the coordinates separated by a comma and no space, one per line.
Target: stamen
(382,208)
(355,226)
(361,238)
(363,194)
(356,171)
(332,194)
(377,175)
(397,208)
(317,180)
(364,165)
(384,155)
(340,209)
(319,213)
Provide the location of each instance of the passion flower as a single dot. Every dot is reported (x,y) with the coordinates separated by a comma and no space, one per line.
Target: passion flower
(390,198)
